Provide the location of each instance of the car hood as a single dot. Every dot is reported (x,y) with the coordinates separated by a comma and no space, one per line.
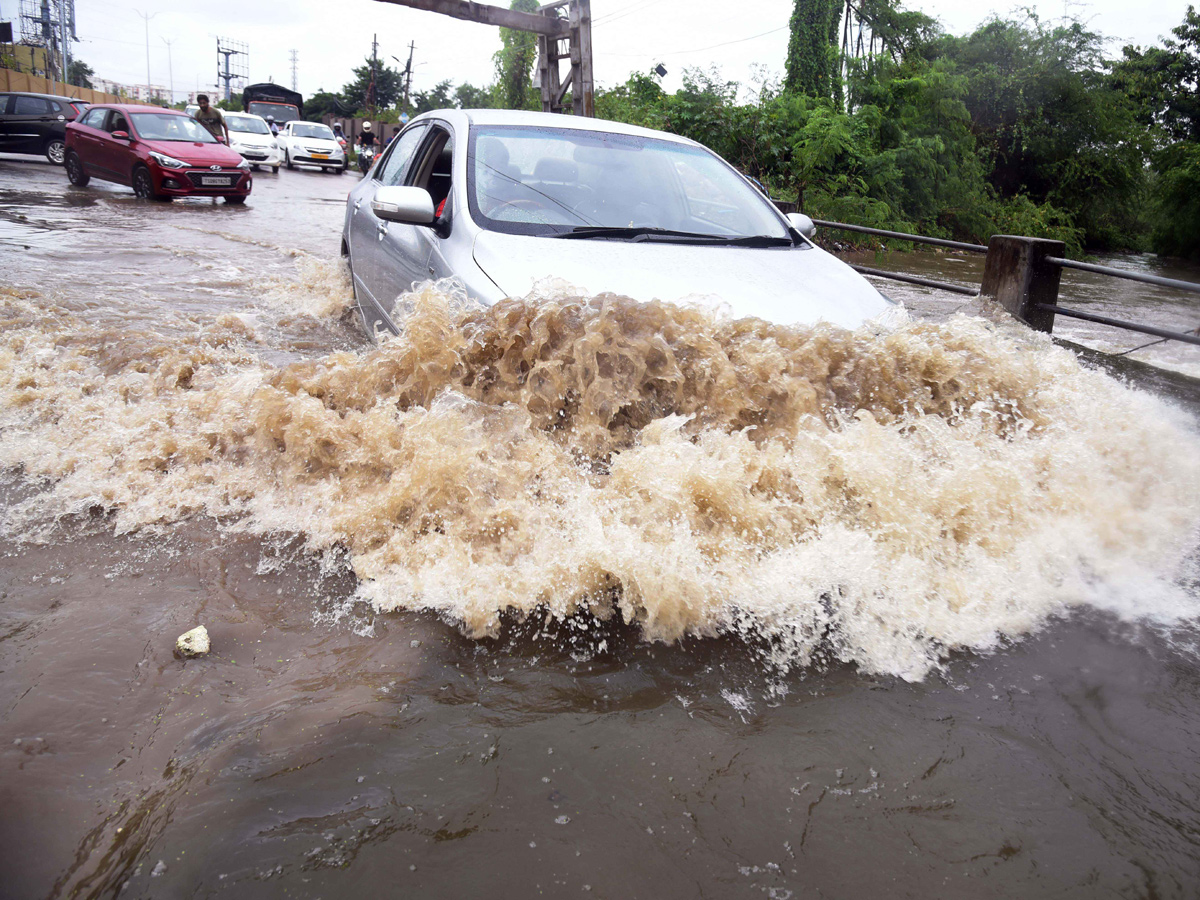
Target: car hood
(315,143)
(802,286)
(196,154)
(250,139)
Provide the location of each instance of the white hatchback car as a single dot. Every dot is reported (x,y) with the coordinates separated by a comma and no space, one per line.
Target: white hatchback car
(501,199)
(250,135)
(311,144)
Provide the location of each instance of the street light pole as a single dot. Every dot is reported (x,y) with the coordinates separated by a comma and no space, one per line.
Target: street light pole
(170,69)
(147,17)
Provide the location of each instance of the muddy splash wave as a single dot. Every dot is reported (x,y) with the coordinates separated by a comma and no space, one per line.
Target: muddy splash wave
(881,497)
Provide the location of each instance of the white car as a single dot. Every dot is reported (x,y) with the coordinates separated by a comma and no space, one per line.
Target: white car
(501,199)
(311,144)
(250,135)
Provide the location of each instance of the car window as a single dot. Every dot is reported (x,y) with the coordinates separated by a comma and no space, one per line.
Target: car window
(117,123)
(312,130)
(392,170)
(94,118)
(55,107)
(31,106)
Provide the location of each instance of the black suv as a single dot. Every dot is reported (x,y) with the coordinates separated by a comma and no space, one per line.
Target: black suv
(36,123)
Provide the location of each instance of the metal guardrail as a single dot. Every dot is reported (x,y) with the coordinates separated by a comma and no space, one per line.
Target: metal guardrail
(1022,274)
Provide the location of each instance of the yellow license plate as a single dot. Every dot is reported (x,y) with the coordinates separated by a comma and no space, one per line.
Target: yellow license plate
(320,156)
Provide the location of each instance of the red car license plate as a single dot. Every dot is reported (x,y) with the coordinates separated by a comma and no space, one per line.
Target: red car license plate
(216,180)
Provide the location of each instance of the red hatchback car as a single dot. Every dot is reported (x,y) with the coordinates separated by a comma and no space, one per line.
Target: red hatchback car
(160,153)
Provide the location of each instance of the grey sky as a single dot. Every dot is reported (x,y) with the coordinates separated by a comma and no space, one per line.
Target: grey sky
(745,39)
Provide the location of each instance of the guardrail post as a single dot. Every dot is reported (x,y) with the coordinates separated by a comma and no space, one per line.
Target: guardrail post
(1017,276)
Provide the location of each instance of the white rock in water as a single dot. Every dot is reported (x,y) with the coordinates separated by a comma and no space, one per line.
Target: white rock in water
(193,643)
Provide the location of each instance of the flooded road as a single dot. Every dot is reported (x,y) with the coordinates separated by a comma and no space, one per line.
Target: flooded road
(566,598)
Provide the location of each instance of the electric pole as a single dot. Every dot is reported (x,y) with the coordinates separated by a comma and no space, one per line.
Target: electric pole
(295,57)
(408,72)
(147,17)
(170,69)
(374,67)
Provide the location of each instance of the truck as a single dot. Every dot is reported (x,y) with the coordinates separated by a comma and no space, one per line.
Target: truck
(267,99)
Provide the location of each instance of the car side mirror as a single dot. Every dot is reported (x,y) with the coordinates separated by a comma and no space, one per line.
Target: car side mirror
(802,224)
(121,135)
(409,205)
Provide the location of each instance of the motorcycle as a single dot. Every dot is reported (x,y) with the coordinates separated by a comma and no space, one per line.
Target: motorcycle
(366,156)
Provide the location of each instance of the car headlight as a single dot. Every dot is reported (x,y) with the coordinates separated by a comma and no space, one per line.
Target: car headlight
(167,162)
(244,164)
(274,145)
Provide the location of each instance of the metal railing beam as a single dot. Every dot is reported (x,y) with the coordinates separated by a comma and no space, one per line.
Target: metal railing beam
(916,279)
(1122,273)
(1183,336)
(900,235)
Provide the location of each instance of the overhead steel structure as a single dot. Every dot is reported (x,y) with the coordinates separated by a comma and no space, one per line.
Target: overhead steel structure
(559,36)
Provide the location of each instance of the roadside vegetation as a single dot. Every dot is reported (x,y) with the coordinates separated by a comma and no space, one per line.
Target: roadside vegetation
(1021,127)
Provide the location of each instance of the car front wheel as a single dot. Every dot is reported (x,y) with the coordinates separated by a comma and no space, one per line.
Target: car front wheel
(143,184)
(75,172)
(274,170)
(56,151)
(287,161)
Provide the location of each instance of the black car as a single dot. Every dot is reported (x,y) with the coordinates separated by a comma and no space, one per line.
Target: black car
(36,123)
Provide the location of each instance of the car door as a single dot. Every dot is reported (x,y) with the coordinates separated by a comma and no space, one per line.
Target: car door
(30,123)
(113,155)
(367,232)
(404,250)
(5,100)
(85,140)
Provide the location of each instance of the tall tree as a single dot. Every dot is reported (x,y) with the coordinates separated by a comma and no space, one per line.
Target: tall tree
(389,85)
(514,62)
(80,74)
(812,57)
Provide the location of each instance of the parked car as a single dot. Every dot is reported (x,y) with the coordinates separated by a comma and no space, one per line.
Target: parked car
(501,199)
(250,136)
(160,153)
(36,123)
(311,144)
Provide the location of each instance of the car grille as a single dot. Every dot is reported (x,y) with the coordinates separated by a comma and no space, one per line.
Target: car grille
(313,150)
(249,155)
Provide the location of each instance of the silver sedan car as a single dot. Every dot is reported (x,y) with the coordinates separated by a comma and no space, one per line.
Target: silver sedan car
(501,199)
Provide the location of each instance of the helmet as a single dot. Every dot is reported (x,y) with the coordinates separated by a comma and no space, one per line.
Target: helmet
(366,126)
(270,118)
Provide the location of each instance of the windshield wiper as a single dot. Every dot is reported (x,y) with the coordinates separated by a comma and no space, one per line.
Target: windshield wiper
(646,233)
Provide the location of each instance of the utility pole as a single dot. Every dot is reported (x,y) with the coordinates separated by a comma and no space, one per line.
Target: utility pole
(147,17)
(374,67)
(66,47)
(408,72)
(226,52)
(170,69)
(295,58)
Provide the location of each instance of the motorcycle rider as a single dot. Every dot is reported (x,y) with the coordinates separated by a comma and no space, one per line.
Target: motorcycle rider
(368,145)
(274,128)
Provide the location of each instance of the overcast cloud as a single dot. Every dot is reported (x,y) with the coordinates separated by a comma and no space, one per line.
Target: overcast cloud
(746,39)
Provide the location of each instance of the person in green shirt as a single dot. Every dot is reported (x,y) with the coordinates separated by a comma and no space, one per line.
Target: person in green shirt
(210,117)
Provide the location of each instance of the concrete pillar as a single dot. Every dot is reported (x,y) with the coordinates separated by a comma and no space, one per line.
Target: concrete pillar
(1017,276)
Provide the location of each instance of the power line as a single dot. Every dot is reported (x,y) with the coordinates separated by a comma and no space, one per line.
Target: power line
(709,47)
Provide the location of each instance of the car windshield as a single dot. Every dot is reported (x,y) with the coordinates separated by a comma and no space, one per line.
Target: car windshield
(167,127)
(311,130)
(283,112)
(246,124)
(530,180)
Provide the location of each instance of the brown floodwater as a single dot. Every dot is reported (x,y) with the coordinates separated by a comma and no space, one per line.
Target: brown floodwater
(574,596)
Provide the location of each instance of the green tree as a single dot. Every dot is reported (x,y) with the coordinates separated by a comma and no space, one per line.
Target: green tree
(467,96)
(440,96)
(812,56)
(324,103)
(80,74)
(514,63)
(388,86)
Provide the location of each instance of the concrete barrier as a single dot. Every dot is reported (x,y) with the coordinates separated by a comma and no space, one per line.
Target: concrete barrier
(35,84)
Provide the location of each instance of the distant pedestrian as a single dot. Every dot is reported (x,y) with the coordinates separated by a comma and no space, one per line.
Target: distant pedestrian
(211,118)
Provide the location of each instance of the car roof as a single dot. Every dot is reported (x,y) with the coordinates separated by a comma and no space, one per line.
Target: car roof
(43,96)
(526,118)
